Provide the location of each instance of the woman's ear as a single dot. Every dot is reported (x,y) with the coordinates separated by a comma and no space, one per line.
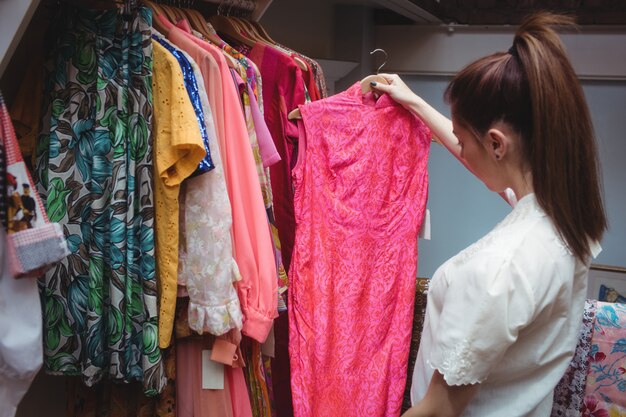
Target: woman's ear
(497,143)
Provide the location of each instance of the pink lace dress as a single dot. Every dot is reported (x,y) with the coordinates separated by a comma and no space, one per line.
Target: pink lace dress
(361,185)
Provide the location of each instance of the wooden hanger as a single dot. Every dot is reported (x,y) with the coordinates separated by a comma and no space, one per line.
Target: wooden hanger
(199,23)
(294,115)
(261,30)
(156,10)
(224,25)
(169,13)
(303,66)
(179,13)
(366,85)
(249,29)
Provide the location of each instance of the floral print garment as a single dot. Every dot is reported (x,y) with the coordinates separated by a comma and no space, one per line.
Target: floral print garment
(605,393)
(94,168)
(570,391)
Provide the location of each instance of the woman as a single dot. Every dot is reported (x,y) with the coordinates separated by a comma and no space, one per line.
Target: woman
(503,315)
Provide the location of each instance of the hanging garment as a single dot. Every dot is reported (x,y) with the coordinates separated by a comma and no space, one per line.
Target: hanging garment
(191,399)
(94,165)
(419,310)
(606,379)
(361,185)
(570,391)
(206,266)
(178,148)
(191,86)
(252,243)
(21,352)
(257,380)
(283,90)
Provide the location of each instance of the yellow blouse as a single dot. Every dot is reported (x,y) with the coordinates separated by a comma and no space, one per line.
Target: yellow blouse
(178,149)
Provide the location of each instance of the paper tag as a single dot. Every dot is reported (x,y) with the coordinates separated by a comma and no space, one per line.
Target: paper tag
(425,230)
(212,372)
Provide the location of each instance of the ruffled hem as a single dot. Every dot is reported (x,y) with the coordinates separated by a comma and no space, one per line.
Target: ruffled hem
(216,320)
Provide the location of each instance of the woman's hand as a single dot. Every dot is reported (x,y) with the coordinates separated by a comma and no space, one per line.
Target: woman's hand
(397,90)
(440,126)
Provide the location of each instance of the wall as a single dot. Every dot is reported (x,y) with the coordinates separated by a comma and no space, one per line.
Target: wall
(306,26)
(14,18)
(595,52)
(463,209)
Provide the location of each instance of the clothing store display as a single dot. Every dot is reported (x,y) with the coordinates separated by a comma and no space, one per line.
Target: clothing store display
(94,169)
(251,238)
(514,284)
(606,378)
(570,391)
(360,195)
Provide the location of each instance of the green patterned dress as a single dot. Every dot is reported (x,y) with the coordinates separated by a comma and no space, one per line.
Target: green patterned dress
(94,169)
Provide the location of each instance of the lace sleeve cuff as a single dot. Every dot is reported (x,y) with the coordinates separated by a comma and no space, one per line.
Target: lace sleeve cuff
(216,320)
(457,365)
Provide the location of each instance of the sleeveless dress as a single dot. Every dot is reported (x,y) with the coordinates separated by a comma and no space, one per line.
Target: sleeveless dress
(361,185)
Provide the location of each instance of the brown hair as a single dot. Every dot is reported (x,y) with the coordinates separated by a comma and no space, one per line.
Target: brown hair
(535,90)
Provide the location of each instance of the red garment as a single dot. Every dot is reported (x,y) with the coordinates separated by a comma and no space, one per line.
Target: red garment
(283,91)
(309,80)
(361,185)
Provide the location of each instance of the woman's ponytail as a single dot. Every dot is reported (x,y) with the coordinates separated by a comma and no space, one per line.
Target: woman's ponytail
(534,88)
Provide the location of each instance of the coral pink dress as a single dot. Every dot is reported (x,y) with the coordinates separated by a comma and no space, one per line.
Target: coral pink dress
(361,185)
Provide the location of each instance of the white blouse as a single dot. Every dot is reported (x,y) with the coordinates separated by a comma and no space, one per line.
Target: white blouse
(506,313)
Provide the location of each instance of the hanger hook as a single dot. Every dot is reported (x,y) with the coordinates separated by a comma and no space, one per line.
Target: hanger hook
(386,57)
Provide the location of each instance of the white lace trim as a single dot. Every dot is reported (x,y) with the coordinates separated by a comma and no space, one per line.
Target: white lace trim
(525,207)
(456,365)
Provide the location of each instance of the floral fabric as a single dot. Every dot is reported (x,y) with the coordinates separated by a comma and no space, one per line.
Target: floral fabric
(605,393)
(94,168)
(570,392)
